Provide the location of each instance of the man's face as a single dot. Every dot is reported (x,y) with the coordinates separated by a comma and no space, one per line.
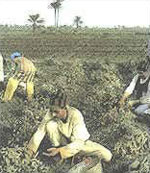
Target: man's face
(59,112)
(143,74)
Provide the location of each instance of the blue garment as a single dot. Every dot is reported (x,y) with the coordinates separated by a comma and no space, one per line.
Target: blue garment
(140,110)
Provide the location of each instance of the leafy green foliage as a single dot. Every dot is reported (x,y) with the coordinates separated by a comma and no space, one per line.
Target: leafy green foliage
(93,67)
(15,160)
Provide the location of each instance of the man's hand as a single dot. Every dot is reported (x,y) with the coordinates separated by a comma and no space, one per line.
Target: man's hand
(132,103)
(123,99)
(145,100)
(121,102)
(29,153)
(53,151)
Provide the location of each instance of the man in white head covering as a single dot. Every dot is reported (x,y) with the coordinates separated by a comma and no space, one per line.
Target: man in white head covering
(1,69)
(140,84)
(1,72)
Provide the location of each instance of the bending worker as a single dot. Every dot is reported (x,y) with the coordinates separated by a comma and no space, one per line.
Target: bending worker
(67,132)
(140,84)
(24,74)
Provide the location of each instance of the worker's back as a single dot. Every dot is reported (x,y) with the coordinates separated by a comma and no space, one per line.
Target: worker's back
(27,65)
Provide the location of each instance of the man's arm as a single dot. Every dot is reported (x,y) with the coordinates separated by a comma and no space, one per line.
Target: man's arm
(78,137)
(129,90)
(38,136)
(132,85)
(16,69)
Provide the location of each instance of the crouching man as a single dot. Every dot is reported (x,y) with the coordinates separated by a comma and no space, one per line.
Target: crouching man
(67,132)
(24,75)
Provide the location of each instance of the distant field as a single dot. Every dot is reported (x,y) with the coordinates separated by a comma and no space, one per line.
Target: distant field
(84,43)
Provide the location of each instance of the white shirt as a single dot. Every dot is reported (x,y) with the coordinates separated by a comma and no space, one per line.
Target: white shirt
(133,83)
(74,129)
(1,69)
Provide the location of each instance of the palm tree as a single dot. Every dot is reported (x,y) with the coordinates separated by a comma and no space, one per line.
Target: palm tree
(56,5)
(77,21)
(35,20)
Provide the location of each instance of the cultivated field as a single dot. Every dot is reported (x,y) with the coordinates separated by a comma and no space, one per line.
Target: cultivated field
(93,66)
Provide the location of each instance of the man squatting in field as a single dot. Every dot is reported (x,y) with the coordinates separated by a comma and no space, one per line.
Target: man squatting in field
(24,75)
(67,132)
(141,85)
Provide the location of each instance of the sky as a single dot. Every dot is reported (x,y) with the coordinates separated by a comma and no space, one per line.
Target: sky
(103,13)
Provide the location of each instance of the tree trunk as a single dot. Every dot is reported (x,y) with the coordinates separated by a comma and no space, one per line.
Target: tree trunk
(34,27)
(55,16)
(77,24)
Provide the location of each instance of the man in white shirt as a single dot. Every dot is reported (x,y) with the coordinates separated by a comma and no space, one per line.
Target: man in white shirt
(1,69)
(1,72)
(67,132)
(140,84)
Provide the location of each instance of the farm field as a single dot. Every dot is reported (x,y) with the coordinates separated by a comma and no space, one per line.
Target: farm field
(93,66)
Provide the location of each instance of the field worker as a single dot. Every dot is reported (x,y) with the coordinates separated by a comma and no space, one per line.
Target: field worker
(140,84)
(67,132)
(24,74)
(1,71)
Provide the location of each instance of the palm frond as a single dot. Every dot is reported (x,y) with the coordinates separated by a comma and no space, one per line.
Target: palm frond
(40,21)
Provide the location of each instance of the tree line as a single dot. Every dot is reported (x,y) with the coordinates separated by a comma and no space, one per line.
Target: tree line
(36,20)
